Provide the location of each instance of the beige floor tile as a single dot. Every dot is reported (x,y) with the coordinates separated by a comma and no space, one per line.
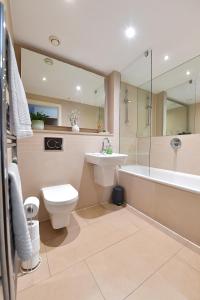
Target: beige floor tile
(78,220)
(112,207)
(190,257)
(79,245)
(94,213)
(25,281)
(124,266)
(137,220)
(48,233)
(76,283)
(156,288)
(105,211)
(182,277)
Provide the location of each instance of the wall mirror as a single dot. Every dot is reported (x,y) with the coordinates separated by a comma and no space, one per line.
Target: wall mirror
(63,92)
(176,100)
(173,107)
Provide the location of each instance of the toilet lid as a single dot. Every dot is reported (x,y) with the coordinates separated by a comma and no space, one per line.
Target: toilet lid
(60,193)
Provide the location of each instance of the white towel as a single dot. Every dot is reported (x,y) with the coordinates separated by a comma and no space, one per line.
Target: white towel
(22,238)
(20,122)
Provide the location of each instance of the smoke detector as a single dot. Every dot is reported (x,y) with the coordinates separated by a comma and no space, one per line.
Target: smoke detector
(54,40)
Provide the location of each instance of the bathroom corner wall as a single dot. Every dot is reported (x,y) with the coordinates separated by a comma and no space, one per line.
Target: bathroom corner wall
(112,105)
(186,159)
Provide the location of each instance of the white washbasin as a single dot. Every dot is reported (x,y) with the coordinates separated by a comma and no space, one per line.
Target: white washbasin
(102,159)
(105,166)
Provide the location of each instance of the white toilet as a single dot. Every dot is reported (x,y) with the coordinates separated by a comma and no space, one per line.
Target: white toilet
(59,201)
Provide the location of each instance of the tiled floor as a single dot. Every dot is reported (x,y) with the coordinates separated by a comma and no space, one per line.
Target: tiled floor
(110,253)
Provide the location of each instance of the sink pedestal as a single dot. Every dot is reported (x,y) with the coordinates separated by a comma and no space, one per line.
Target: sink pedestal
(105,166)
(104,175)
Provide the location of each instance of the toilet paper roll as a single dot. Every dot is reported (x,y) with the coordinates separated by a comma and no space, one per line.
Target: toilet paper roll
(31,206)
(31,264)
(33,227)
(35,246)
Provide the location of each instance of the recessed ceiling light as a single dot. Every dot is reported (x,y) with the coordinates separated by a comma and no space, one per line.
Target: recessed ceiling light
(166,57)
(78,88)
(44,79)
(188,73)
(54,40)
(130,32)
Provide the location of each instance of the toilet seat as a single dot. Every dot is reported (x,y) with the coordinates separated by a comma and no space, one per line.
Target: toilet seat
(60,194)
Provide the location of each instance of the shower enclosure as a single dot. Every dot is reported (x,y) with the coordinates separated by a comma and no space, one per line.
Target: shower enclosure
(154,110)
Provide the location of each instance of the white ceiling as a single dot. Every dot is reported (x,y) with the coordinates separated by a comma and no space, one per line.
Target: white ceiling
(173,105)
(61,80)
(92,31)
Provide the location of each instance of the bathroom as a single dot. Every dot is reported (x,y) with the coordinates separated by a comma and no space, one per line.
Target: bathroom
(100,187)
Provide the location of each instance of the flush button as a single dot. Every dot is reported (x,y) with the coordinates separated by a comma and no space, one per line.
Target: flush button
(52,143)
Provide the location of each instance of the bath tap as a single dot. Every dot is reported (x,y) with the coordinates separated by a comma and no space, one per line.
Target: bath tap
(104,148)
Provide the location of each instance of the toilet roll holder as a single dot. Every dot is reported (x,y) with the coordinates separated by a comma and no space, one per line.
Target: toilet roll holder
(31,211)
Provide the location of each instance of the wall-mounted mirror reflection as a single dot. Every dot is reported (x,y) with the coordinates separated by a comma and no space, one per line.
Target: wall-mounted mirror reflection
(66,95)
(174,106)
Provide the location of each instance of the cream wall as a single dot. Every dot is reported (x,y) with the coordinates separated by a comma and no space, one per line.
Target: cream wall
(186,159)
(39,168)
(112,105)
(89,114)
(177,120)
(194,117)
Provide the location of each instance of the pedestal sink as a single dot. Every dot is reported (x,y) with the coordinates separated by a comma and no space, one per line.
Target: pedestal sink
(105,166)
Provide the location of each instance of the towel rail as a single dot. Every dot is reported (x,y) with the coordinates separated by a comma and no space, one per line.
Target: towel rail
(11,137)
(10,145)
(7,140)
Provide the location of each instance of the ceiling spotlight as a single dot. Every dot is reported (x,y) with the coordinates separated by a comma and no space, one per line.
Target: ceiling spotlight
(54,40)
(130,32)
(78,88)
(48,61)
(44,79)
(166,57)
(188,73)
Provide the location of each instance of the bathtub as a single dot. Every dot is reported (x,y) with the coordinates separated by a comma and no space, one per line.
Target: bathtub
(183,181)
(171,198)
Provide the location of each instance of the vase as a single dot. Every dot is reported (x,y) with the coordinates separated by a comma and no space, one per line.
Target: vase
(38,124)
(75,128)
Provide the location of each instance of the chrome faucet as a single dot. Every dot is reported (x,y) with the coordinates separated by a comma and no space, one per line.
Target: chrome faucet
(104,148)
